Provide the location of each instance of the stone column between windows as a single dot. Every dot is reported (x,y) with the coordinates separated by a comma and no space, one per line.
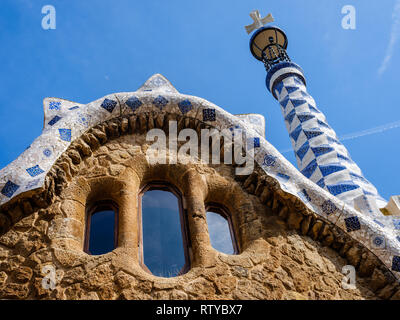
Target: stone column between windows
(128,222)
(195,195)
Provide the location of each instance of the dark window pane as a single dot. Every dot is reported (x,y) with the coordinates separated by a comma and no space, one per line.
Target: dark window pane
(102,226)
(163,249)
(220,234)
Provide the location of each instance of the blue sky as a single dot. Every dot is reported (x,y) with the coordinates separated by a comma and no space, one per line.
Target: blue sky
(103,46)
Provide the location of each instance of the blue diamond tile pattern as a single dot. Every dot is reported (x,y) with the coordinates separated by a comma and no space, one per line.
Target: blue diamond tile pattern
(208,114)
(160,102)
(133,103)
(109,105)
(185,106)
(65,134)
(9,189)
(320,156)
(34,171)
(352,224)
(55,105)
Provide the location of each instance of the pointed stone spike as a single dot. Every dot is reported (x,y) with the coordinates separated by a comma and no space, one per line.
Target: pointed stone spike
(158,82)
(393,206)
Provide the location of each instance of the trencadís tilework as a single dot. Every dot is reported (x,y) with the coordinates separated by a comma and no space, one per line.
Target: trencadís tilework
(66,121)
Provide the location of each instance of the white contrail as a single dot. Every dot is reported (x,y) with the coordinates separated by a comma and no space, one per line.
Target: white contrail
(367,132)
(394,36)
(363,133)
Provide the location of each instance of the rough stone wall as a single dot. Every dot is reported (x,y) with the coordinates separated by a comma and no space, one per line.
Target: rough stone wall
(280,257)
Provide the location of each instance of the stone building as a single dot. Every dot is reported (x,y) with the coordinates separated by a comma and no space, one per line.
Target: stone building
(291,239)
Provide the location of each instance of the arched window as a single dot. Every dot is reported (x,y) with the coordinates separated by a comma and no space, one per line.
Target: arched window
(220,229)
(101,228)
(164,245)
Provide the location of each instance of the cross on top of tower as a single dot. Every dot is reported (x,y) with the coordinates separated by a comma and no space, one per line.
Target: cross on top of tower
(258,21)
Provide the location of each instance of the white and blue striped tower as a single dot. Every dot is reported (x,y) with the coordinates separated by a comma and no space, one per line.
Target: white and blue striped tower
(320,155)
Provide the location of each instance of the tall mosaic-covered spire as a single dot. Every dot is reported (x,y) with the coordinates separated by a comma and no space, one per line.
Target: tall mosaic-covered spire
(320,155)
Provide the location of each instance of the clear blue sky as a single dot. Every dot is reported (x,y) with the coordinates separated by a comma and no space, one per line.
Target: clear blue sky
(100,47)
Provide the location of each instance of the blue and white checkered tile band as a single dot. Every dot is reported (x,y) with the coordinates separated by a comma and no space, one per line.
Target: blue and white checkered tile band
(320,155)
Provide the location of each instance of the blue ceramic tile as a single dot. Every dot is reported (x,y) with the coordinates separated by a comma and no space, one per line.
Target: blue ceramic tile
(321,150)
(160,102)
(352,224)
(396,263)
(310,169)
(208,114)
(53,121)
(109,105)
(269,160)
(339,188)
(185,106)
(378,242)
(65,134)
(47,152)
(303,150)
(34,171)
(9,189)
(331,168)
(133,103)
(55,105)
(283,177)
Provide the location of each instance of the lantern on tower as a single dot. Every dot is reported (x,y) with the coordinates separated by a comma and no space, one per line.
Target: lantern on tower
(269,44)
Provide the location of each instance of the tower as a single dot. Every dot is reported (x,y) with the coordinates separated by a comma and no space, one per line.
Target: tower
(320,155)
